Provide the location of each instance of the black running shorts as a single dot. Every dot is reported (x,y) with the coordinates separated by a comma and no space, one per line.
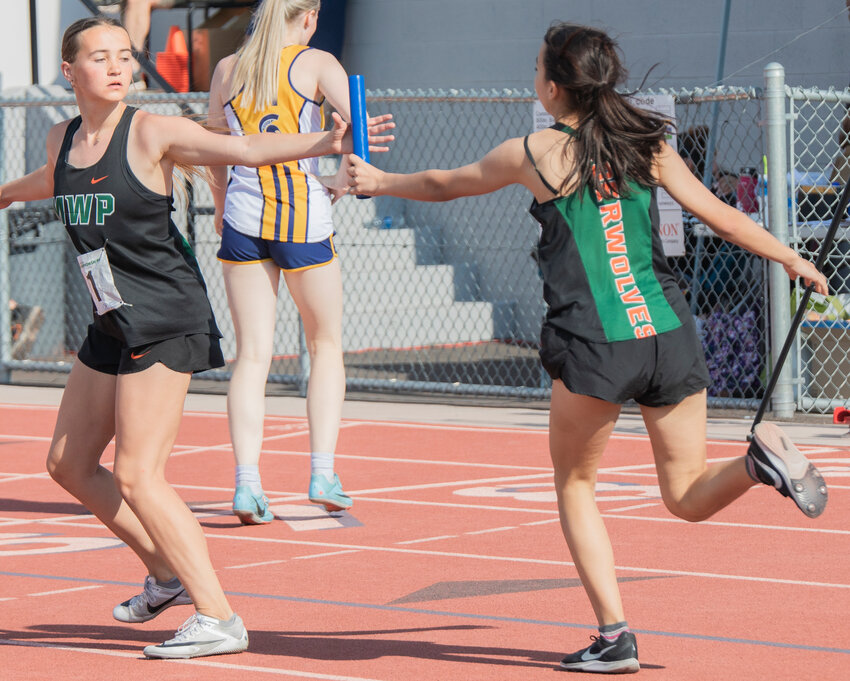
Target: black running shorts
(655,372)
(185,354)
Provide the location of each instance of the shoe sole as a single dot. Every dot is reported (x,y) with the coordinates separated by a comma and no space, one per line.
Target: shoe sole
(250,518)
(628,666)
(794,476)
(330,507)
(226,648)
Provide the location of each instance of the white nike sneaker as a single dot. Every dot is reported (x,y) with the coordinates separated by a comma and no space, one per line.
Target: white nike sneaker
(152,601)
(201,635)
(605,657)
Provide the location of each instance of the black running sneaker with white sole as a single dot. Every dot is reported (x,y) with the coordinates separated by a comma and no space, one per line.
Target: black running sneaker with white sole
(774,460)
(605,657)
(153,600)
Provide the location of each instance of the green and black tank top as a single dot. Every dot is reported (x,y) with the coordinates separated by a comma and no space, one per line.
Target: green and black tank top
(154,268)
(605,275)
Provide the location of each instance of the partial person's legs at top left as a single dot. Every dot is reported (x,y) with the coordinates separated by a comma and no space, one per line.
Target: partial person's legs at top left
(136,18)
(252,297)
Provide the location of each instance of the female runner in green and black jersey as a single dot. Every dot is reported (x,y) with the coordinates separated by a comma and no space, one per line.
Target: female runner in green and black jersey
(617,327)
(110,173)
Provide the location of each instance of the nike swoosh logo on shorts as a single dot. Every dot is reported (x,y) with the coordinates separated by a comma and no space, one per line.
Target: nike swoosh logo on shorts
(587,656)
(99,179)
(133,355)
(153,609)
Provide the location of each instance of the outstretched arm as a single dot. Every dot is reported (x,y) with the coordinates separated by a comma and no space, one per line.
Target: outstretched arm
(39,183)
(36,185)
(499,168)
(184,141)
(728,222)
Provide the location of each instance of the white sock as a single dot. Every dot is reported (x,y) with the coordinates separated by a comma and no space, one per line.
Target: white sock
(322,462)
(249,475)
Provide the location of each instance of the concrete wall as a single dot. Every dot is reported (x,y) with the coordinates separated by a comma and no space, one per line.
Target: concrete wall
(493,43)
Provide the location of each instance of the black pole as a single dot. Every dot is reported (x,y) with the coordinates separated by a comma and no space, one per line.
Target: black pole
(33,44)
(840,212)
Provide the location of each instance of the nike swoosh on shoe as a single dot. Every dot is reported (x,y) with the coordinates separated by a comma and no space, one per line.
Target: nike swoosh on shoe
(196,645)
(156,608)
(587,656)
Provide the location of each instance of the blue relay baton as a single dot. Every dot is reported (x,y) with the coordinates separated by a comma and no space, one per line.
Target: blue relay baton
(359,128)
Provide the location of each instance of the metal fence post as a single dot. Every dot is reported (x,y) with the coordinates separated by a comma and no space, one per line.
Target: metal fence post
(5,294)
(779,295)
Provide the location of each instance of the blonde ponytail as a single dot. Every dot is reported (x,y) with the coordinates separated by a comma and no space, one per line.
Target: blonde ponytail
(258,60)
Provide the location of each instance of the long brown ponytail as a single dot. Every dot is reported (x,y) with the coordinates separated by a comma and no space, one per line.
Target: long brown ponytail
(614,139)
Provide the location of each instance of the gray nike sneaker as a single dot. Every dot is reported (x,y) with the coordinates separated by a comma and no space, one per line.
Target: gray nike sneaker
(605,657)
(774,460)
(153,600)
(201,635)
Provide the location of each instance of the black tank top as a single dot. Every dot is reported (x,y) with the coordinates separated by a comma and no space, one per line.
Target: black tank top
(605,275)
(153,266)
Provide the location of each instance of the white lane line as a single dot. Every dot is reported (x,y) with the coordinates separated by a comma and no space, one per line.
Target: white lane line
(493,529)
(542,522)
(26,437)
(325,555)
(196,662)
(631,508)
(533,561)
(251,565)
(67,521)
(542,430)
(14,477)
(455,483)
(64,591)
(427,539)
(192,449)
(717,523)
(437,462)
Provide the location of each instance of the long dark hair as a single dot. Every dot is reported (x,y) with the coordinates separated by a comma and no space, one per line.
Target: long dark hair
(614,139)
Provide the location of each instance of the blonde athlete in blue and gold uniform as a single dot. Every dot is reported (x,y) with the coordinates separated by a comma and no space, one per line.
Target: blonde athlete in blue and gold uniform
(284,202)
(617,326)
(278,218)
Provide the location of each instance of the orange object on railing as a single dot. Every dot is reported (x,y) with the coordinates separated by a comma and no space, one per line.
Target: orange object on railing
(173,64)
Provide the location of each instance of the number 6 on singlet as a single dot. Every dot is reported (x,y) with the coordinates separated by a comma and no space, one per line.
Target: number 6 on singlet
(98,277)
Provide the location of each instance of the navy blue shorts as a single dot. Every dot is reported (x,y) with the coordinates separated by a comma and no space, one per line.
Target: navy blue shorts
(185,354)
(239,248)
(657,371)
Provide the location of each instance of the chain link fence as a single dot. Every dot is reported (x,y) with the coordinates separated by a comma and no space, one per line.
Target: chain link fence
(819,167)
(447,298)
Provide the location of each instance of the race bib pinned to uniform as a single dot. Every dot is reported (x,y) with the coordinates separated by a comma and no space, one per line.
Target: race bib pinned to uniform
(98,276)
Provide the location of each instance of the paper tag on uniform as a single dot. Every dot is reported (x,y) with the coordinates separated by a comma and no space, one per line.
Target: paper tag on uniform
(98,276)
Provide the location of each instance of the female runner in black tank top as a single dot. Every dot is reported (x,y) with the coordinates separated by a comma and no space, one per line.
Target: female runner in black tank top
(621,329)
(112,186)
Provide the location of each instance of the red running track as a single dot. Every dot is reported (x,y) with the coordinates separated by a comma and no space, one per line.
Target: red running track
(450,565)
